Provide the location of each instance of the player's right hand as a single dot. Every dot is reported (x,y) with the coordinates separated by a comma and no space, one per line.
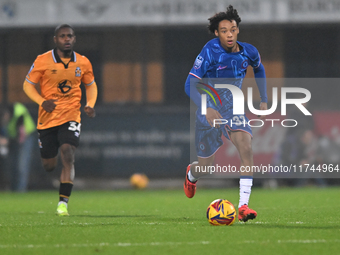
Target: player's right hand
(263,107)
(212,115)
(49,105)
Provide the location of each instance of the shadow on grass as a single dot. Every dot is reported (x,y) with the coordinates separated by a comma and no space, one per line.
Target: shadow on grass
(158,218)
(188,220)
(283,226)
(114,216)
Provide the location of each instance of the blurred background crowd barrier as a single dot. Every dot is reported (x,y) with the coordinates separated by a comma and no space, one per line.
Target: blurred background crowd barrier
(142,51)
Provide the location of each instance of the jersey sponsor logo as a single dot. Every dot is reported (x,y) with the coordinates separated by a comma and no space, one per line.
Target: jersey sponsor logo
(78,72)
(64,86)
(63,96)
(198,62)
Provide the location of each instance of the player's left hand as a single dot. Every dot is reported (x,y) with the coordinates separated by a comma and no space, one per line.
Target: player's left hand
(263,106)
(212,115)
(90,111)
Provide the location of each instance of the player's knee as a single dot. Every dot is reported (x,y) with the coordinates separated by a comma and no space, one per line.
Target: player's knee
(209,163)
(68,158)
(246,149)
(206,162)
(49,167)
(49,164)
(67,153)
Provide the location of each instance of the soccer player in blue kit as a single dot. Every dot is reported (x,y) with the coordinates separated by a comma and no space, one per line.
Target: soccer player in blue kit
(224,57)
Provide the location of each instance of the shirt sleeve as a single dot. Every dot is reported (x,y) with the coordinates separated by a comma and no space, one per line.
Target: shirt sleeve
(199,69)
(254,56)
(91,94)
(32,92)
(259,72)
(36,71)
(191,91)
(88,77)
(202,63)
(261,81)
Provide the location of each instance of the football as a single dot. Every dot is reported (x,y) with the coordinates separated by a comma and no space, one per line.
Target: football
(139,181)
(221,213)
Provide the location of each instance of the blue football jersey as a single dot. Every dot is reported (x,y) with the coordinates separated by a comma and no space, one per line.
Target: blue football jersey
(215,62)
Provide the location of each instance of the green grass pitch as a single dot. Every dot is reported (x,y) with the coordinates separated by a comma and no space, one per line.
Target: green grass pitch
(290,221)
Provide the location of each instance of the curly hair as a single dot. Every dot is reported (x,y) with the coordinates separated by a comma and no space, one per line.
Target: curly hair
(230,14)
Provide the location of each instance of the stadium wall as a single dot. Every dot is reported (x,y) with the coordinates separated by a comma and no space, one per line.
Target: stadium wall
(141,72)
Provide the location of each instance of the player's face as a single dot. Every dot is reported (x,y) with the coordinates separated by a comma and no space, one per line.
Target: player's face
(227,33)
(65,39)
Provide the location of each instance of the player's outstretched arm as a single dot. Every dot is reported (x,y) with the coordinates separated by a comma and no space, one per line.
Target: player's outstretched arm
(32,93)
(261,81)
(194,95)
(91,97)
(260,77)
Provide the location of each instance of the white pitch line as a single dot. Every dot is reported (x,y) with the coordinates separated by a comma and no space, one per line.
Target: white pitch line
(30,246)
(86,224)
(79,245)
(296,207)
(307,241)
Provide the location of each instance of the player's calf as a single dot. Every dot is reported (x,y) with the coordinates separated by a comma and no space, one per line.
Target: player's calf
(49,164)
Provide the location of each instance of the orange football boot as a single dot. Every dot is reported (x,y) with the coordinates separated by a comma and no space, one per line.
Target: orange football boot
(189,187)
(245,213)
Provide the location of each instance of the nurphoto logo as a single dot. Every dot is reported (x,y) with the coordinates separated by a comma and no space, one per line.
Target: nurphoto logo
(238,104)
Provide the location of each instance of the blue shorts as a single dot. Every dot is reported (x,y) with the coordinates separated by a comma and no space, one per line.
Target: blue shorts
(209,139)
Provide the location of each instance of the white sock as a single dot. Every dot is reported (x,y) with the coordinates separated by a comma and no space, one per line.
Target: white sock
(62,202)
(191,177)
(245,190)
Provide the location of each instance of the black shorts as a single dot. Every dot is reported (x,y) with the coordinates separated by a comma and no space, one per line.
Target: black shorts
(51,139)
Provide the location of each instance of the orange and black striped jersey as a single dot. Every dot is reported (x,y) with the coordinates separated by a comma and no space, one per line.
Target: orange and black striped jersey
(62,82)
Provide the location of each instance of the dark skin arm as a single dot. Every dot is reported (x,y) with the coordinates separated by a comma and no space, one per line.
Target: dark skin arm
(90,111)
(49,105)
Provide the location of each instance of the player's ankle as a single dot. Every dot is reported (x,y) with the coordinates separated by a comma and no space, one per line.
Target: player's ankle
(192,178)
(62,202)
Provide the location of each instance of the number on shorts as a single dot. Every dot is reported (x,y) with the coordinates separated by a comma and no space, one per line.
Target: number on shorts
(74,126)
(239,120)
